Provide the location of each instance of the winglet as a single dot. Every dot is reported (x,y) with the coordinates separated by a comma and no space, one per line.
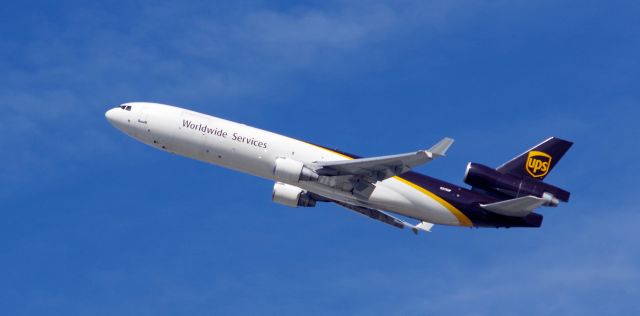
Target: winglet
(423,226)
(441,147)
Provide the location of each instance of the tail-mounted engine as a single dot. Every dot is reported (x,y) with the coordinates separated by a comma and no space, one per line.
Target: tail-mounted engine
(489,179)
(290,195)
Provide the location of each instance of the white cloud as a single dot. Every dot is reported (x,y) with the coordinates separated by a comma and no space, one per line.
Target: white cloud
(69,70)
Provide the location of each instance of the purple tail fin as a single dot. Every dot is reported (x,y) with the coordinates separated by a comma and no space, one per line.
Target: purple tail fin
(538,161)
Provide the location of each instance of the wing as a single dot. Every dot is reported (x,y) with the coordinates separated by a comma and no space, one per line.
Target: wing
(359,176)
(388,219)
(380,168)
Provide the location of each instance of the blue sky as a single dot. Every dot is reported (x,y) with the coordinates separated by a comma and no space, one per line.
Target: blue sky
(94,223)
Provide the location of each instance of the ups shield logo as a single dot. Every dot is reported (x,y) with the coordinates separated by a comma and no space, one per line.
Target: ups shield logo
(538,164)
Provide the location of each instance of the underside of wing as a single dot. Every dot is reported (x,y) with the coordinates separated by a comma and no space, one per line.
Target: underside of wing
(387,218)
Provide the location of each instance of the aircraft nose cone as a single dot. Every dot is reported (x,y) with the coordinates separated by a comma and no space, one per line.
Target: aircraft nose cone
(110,115)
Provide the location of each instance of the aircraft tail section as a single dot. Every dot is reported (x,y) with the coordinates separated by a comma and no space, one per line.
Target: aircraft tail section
(523,175)
(538,161)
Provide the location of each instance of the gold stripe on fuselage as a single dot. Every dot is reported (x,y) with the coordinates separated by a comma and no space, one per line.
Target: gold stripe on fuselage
(462,219)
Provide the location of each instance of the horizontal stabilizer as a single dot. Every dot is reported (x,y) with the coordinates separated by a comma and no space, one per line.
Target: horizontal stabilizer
(518,207)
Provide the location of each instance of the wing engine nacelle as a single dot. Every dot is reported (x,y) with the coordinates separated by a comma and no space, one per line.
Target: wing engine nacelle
(291,171)
(292,196)
(483,177)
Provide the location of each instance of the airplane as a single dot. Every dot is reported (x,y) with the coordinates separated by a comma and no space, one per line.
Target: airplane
(382,188)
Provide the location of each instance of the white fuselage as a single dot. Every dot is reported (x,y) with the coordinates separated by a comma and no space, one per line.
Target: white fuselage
(254,151)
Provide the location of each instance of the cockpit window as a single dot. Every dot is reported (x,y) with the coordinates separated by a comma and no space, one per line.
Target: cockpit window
(128,108)
(122,107)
